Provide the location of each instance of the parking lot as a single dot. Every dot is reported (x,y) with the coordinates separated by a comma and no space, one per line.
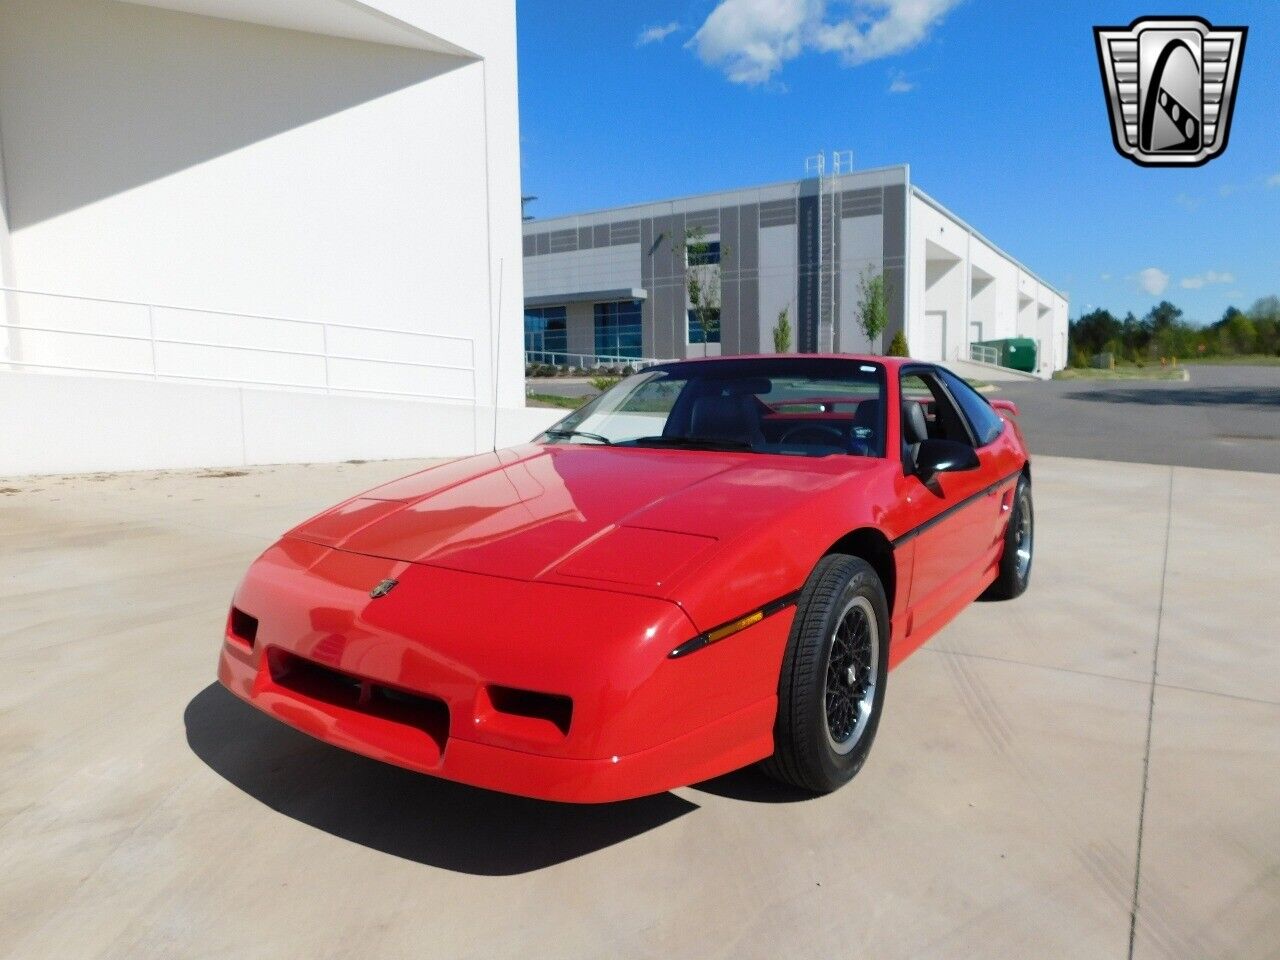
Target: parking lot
(1105,748)
(1222,417)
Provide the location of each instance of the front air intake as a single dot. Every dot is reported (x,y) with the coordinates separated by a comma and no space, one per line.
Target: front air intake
(242,626)
(550,707)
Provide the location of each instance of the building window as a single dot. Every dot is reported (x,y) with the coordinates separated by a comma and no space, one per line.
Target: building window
(710,335)
(702,257)
(545,331)
(618,329)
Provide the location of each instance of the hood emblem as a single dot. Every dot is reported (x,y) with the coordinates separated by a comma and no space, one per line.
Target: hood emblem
(383,588)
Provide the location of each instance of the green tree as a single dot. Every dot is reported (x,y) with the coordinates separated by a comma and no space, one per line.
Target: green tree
(873,312)
(1265,314)
(1238,334)
(782,333)
(702,281)
(1094,330)
(898,346)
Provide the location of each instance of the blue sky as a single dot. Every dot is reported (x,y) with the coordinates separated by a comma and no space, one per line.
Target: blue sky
(998,108)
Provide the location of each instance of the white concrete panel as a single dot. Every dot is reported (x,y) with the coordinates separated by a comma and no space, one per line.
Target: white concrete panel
(193,326)
(95,353)
(861,253)
(167,158)
(427,382)
(353,19)
(57,424)
(243,366)
(63,313)
(383,345)
(599,268)
(69,424)
(777,278)
(284,427)
(1007,306)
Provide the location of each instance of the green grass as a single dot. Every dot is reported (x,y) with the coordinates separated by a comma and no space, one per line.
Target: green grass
(1242,360)
(1123,373)
(554,400)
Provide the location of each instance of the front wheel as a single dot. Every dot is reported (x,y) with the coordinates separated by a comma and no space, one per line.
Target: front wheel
(831,688)
(1019,546)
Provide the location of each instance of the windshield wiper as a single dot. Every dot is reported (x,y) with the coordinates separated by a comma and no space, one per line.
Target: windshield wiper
(709,443)
(580,433)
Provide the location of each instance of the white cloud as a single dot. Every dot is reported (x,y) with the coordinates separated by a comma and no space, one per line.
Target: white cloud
(900,83)
(751,39)
(1153,280)
(1208,278)
(657,33)
(1273,180)
(1187,202)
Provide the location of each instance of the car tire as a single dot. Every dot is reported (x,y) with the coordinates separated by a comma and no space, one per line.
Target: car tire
(832,683)
(1019,547)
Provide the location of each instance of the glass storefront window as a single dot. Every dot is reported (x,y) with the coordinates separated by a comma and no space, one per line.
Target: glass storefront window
(618,332)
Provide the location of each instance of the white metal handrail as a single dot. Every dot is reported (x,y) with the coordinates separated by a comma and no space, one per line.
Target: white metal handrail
(229,313)
(155,373)
(587,361)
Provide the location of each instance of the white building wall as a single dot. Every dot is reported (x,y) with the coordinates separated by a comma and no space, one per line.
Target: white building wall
(945,258)
(861,251)
(777,273)
(246,171)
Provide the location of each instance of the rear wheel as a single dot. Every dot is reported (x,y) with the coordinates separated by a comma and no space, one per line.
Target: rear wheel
(831,689)
(1019,547)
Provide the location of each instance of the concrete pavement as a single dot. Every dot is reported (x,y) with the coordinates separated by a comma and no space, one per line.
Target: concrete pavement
(1030,785)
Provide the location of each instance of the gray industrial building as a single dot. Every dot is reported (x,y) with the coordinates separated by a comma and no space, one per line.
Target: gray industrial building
(612,283)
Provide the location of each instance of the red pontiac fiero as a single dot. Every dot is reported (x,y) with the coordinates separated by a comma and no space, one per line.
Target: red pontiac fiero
(713,563)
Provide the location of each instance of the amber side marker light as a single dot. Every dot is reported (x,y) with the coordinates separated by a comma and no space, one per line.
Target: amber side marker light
(734,626)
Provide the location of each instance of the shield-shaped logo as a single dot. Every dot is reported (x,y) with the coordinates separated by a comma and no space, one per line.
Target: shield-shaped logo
(1171,87)
(383,588)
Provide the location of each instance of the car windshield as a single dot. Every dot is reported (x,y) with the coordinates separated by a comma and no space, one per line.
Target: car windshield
(798,406)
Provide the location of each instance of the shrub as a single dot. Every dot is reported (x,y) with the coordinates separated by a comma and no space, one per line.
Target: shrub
(603,383)
(898,346)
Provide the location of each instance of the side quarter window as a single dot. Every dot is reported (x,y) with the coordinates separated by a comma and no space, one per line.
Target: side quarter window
(984,421)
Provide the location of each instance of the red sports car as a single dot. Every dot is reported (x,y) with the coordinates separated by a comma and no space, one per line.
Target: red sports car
(713,563)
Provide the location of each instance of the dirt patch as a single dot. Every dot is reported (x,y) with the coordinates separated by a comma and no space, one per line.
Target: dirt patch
(217,474)
(9,491)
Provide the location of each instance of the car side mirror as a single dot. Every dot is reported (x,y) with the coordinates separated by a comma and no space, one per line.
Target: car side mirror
(944,456)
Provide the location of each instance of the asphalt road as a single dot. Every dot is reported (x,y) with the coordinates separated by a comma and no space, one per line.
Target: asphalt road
(1224,417)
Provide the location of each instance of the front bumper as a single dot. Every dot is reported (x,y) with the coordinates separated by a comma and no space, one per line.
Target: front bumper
(409,679)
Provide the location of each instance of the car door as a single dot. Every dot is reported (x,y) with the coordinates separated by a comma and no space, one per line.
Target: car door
(956,514)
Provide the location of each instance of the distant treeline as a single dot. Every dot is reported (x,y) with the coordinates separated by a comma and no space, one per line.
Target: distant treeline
(1164,334)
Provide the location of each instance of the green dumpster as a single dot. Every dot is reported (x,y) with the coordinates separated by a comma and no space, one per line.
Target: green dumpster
(1017,353)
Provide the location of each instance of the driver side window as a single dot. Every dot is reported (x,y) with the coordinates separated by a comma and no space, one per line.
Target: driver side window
(942,421)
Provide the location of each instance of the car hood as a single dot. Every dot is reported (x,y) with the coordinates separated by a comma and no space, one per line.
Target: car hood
(627,518)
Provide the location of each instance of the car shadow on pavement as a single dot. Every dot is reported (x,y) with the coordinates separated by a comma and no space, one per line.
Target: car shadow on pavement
(750,785)
(406,814)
